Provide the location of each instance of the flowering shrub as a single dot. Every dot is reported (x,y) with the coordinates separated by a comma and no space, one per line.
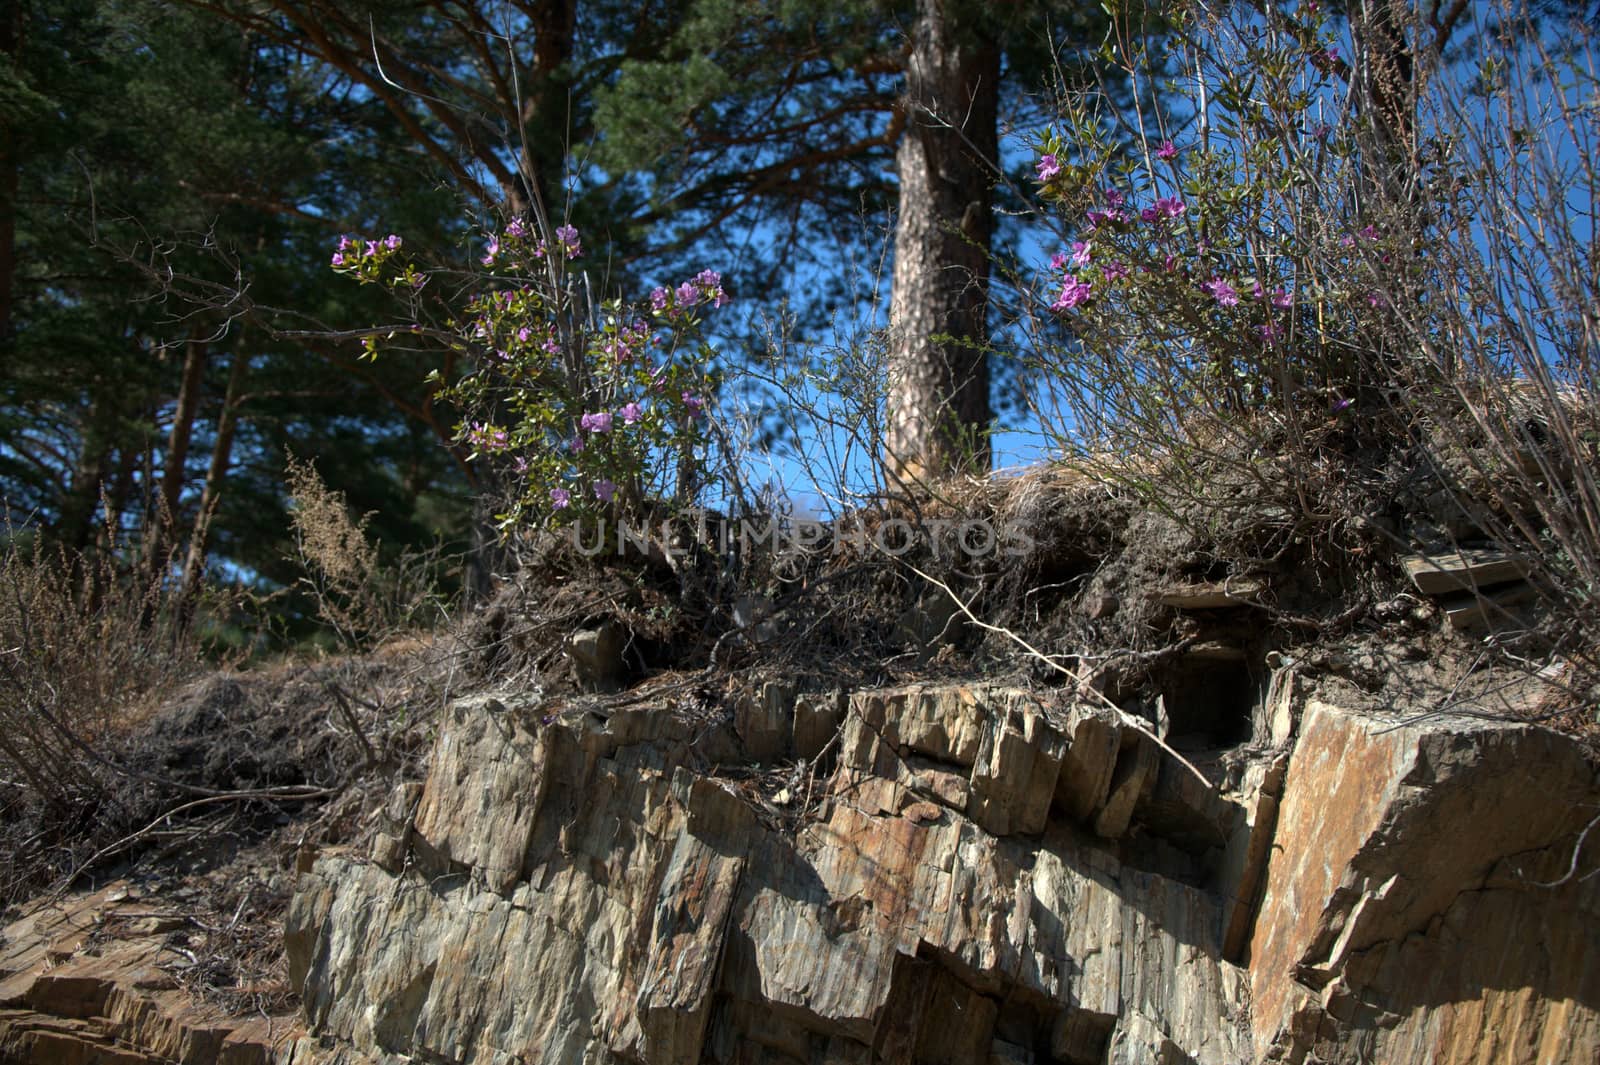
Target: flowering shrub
(1219,267)
(579,410)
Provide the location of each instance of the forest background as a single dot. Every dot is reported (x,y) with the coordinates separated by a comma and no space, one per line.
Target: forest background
(174,177)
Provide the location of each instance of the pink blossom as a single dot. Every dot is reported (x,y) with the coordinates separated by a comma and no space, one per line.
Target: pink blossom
(1222,292)
(1058,261)
(487,437)
(1370,232)
(1282,298)
(1049,167)
(693,404)
(1073,293)
(604,490)
(560,498)
(1114,270)
(575,445)
(391,242)
(659,298)
(568,236)
(596,423)
(710,284)
(687,294)
(1115,198)
(1168,150)
(338,259)
(631,413)
(515,229)
(1081,251)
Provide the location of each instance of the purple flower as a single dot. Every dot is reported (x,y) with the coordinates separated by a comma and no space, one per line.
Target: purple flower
(1150,214)
(1170,206)
(391,242)
(688,295)
(1058,261)
(1347,241)
(604,490)
(1115,198)
(710,284)
(552,345)
(596,423)
(575,445)
(344,242)
(1081,251)
(372,247)
(487,437)
(1073,292)
(1114,270)
(492,251)
(631,413)
(1222,292)
(693,404)
(515,229)
(1377,299)
(1048,167)
(1168,150)
(1097,217)
(659,298)
(1342,405)
(568,236)
(1370,232)
(560,498)
(1281,298)
(338,259)
(1269,332)
(1170,263)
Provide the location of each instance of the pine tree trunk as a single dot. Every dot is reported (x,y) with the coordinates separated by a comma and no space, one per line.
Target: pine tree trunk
(10,46)
(221,460)
(938,313)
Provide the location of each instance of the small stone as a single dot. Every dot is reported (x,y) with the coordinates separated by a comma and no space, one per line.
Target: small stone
(597,657)
(923,813)
(1101,606)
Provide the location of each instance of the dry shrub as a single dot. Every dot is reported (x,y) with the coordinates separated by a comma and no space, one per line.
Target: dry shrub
(83,641)
(362,599)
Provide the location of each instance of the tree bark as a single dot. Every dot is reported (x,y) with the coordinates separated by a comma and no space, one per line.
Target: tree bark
(1386,96)
(10,46)
(221,460)
(195,358)
(938,405)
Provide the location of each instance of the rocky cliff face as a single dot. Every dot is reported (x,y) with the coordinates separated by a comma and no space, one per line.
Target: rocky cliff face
(959,874)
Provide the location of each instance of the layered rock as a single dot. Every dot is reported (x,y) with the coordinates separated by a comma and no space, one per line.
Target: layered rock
(89,980)
(591,901)
(921,875)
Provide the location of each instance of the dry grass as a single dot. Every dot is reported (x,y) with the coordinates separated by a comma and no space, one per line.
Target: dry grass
(359,597)
(85,641)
